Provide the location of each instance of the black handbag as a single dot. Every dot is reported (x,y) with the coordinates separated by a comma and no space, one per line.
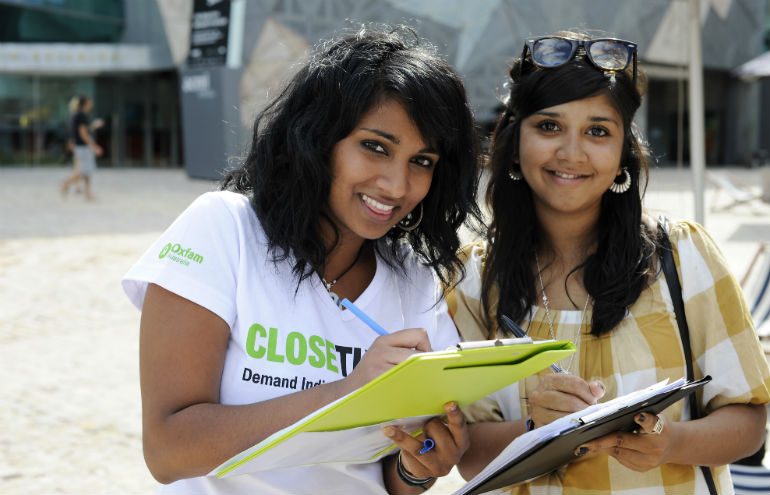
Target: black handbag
(672,279)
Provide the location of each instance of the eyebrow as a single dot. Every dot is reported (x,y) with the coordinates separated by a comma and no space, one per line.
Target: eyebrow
(393,139)
(592,119)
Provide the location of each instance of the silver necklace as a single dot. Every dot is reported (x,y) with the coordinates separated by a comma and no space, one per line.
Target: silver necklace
(549,317)
(335,297)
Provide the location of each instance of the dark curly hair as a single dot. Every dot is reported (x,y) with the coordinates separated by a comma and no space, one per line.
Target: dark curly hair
(287,173)
(620,269)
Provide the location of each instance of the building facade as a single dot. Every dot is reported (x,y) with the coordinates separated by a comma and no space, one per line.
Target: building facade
(116,52)
(180,81)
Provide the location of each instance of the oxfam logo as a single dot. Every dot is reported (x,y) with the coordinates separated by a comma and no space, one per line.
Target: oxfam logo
(179,254)
(164,251)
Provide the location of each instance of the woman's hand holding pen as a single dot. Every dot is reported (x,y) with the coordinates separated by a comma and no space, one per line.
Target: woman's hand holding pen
(385,352)
(450,441)
(559,394)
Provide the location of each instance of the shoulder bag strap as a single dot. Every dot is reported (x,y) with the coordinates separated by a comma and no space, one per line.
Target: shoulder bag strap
(672,279)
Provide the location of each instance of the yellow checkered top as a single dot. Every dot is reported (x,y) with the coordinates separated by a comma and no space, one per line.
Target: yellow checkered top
(644,349)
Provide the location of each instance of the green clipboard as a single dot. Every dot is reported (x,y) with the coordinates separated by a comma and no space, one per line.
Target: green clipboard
(418,386)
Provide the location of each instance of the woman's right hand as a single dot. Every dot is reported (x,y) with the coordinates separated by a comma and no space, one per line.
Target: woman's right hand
(559,394)
(386,352)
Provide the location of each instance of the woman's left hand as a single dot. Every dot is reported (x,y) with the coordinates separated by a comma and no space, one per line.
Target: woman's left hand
(451,441)
(642,450)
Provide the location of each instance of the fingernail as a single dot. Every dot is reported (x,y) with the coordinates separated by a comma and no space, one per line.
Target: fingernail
(390,431)
(581,451)
(451,407)
(642,417)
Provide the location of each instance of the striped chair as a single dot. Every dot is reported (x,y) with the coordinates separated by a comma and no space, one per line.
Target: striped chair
(756,288)
(749,475)
(750,480)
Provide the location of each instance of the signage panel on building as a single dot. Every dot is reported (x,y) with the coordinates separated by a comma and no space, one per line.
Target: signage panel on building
(208,33)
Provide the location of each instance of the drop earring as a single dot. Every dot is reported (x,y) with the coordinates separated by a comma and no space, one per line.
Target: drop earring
(514,174)
(621,187)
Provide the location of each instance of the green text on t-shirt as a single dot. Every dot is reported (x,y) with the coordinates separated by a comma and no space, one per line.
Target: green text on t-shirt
(317,351)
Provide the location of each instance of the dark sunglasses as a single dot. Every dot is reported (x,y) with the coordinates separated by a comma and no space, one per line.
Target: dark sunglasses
(607,54)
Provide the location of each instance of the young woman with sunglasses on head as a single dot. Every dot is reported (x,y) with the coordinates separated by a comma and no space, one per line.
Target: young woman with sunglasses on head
(359,175)
(572,255)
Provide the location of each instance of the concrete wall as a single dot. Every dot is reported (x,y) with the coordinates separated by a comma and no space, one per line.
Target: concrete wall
(480,38)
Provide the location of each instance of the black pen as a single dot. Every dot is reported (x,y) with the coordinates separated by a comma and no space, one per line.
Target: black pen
(519,332)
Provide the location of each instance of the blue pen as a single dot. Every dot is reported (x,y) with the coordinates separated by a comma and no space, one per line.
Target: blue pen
(363,317)
(427,445)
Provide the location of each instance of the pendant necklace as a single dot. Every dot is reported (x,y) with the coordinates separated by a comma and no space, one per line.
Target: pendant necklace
(549,317)
(328,285)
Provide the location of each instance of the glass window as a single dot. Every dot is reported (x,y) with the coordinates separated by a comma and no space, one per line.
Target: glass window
(140,115)
(76,21)
(34,118)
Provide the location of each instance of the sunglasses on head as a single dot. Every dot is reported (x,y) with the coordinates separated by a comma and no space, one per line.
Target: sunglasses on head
(607,54)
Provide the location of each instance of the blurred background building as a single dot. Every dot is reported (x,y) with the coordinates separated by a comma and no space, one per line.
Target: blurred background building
(179,82)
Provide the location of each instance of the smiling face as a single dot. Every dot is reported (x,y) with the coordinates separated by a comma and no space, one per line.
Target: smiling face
(570,154)
(380,172)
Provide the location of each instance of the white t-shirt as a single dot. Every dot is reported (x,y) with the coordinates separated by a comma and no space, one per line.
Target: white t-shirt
(215,255)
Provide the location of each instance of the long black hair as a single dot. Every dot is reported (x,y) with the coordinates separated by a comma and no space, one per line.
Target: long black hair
(620,269)
(287,173)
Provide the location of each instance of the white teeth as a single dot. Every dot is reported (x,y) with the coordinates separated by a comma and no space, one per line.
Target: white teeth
(376,205)
(562,175)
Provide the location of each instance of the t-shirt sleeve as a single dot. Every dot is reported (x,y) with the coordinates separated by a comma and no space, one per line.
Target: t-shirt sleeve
(446,335)
(195,258)
(80,119)
(77,120)
(724,342)
(423,305)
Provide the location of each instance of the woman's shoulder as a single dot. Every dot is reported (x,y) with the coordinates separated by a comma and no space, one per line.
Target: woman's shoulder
(684,232)
(223,203)
(679,231)
(473,257)
(474,254)
(685,229)
(222,200)
(225,212)
(694,245)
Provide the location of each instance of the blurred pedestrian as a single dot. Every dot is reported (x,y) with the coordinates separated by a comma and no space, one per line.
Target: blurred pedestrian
(85,149)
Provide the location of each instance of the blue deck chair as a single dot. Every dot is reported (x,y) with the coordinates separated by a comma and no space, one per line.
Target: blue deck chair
(749,475)
(756,288)
(750,480)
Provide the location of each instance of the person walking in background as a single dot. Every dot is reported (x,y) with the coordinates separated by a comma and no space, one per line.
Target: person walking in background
(572,255)
(359,175)
(85,149)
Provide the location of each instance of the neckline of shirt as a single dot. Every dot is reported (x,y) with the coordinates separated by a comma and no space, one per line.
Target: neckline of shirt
(369,294)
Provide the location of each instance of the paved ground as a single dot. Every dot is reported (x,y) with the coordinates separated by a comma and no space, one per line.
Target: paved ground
(69,394)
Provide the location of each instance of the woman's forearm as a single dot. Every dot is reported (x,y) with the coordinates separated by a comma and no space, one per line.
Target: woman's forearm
(196,439)
(487,441)
(724,436)
(393,484)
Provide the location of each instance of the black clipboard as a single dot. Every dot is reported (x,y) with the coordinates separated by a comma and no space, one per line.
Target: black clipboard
(556,452)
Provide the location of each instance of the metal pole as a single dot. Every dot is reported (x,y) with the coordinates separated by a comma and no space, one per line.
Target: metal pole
(235,34)
(697,124)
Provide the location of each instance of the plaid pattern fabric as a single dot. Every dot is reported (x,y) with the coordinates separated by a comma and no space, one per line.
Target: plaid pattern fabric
(644,349)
